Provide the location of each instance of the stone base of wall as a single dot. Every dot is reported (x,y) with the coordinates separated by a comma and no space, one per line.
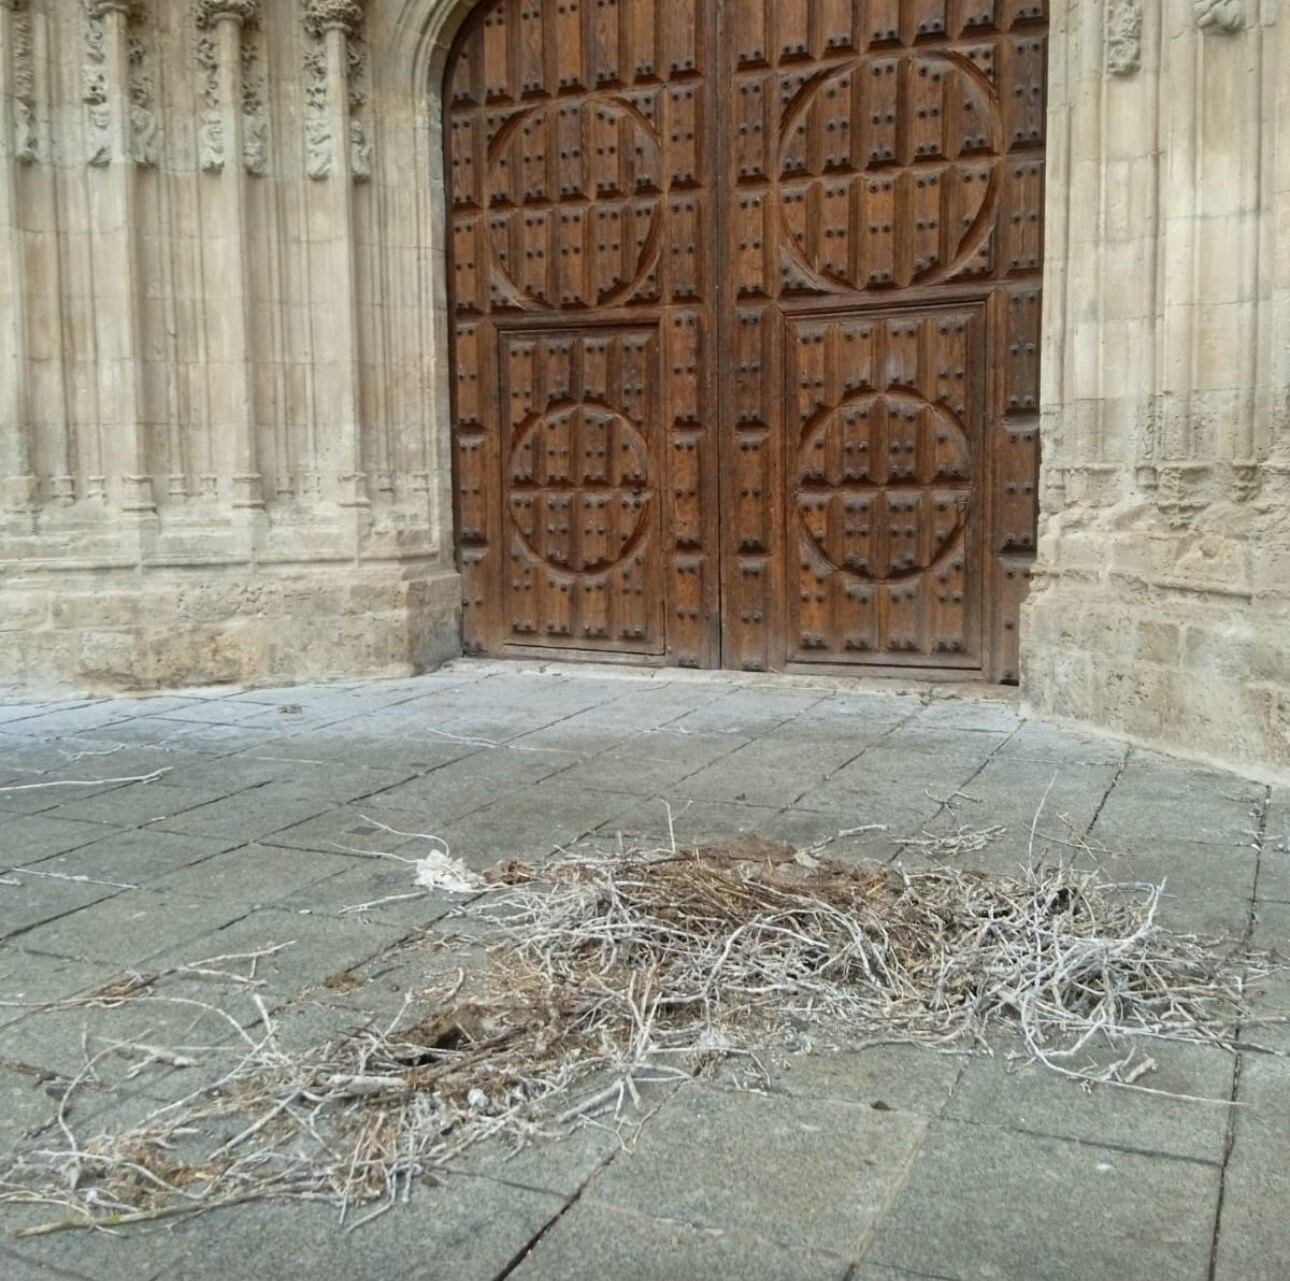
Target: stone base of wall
(1203,678)
(107,633)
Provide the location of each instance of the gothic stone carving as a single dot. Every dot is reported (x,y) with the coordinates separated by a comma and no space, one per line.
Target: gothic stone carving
(255,123)
(320,146)
(26,140)
(209,12)
(1220,15)
(1123,37)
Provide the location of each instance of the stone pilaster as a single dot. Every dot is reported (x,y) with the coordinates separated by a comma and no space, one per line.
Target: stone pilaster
(330,153)
(225,251)
(113,212)
(16,473)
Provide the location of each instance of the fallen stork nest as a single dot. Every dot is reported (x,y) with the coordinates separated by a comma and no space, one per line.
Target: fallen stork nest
(612,973)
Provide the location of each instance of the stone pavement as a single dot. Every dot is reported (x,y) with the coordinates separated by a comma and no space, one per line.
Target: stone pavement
(879,1166)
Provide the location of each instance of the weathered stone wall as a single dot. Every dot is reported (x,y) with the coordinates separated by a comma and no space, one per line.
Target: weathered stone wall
(224,390)
(1162,602)
(222,402)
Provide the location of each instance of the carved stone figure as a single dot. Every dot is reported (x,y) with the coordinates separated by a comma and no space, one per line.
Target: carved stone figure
(1220,15)
(210,142)
(1123,37)
(318,148)
(145,136)
(255,145)
(360,152)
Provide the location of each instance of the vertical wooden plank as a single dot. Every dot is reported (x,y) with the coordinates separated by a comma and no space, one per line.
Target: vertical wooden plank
(793,29)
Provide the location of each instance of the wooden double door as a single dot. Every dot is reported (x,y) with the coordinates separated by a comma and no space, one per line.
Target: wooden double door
(746,323)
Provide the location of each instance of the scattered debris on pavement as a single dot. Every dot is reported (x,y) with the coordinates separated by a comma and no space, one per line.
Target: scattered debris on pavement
(610,973)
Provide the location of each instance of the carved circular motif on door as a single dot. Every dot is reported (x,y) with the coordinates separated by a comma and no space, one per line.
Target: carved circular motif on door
(888,172)
(884,485)
(575,202)
(578,488)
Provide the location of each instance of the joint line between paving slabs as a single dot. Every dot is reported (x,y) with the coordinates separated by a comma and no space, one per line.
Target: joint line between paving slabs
(833,773)
(1110,787)
(1229,1138)
(541,1234)
(898,1186)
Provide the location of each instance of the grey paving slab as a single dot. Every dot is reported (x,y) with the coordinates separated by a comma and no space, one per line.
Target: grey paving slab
(1041,741)
(636,710)
(997,1091)
(28,979)
(652,762)
(532,823)
(130,927)
(26,1105)
(769,771)
(28,900)
(841,835)
(469,1229)
(759,1165)
(902,1078)
(253,874)
(646,822)
(249,816)
(591,1243)
(999,716)
(224,740)
(1156,801)
(749,712)
(360,827)
(864,798)
(561,1166)
(859,718)
(273,797)
(139,856)
(876,1272)
(16,1267)
(336,781)
(56,721)
(30,838)
(468,784)
(59,1040)
(320,946)
(371,745)
(1274,876)
(137,804)
(1209,889)
(987,1203)
(1254,1230)
(368,881)
(1021,794)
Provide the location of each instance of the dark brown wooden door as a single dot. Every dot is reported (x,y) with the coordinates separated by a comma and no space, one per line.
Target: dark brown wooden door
(747,300)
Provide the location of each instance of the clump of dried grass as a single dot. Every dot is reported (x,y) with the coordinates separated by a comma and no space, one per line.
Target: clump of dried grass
(613,971)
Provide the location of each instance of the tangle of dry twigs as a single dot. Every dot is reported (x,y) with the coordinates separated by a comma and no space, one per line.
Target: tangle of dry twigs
(610,972)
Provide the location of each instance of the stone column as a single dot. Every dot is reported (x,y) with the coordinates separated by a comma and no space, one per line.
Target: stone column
(227,263)
(16,473)
(333,268)
(116,276)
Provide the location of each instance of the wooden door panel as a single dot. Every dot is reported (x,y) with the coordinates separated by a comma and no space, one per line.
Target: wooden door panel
(835,205)
(581,490)
(883,222)
(884,455)
(580,144)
